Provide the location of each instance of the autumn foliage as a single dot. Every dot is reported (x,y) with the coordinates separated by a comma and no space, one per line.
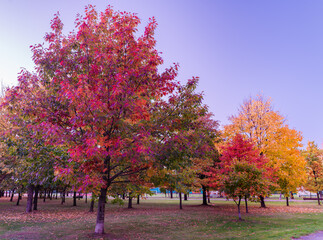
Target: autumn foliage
(267,129)
(93,93)
(242,171)
(99,115)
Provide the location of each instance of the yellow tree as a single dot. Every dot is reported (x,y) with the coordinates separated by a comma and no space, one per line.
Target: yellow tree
(314,160)
(257,120)
(285,154)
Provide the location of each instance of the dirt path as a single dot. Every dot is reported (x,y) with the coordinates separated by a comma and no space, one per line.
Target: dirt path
(313,236)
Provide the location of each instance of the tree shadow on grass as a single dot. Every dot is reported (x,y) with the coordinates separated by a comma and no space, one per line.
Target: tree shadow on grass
(105,236)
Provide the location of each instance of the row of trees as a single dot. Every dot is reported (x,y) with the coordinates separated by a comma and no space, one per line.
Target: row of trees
(261,154)
(98,116)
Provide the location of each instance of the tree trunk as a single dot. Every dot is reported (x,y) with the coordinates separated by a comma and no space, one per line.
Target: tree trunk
(12,193)
(44,200)
(99,227)
(262,202)
(130,201)
(79,195)
(74,199)
(185,197)
(239,213)
(291,195)
(63,196)
(86,197)
(204,195)
(180,201)
(287,202)
(208,196)
(171,193)
(18,200)
(92,204)
(56,193)
(36,197)
(318,198)
(138,199)
(30,193)
(246,202)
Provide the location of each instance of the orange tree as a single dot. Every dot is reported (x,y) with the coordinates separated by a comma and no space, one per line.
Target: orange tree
(267,129)
(314,159)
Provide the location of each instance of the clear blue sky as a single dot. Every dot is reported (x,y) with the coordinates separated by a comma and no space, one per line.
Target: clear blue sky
(237,48)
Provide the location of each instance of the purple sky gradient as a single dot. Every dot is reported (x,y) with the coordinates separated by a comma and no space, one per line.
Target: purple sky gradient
(237,48)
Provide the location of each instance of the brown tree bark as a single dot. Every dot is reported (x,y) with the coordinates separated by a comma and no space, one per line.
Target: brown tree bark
(287,202)
(99,227)
(185,197)
(204,195)
(44,200)
(262,202)
(130,201)
(36,197)
(246,203)
(63,196)
(74,199)
(18,200)
(180,201)
(12,193)
(92,203)
(30,193)
(239,212)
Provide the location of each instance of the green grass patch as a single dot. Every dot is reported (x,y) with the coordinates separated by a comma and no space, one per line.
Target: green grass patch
(161,218)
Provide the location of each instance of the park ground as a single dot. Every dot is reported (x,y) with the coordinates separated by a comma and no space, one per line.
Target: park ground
(160,218)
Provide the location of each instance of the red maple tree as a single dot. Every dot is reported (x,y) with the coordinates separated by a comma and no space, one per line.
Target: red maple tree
(242,171)
(93,92)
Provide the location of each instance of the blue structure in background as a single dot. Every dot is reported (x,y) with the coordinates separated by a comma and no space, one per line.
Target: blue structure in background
(157,190)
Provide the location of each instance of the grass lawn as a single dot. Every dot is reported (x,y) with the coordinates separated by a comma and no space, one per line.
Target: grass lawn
(160,218)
